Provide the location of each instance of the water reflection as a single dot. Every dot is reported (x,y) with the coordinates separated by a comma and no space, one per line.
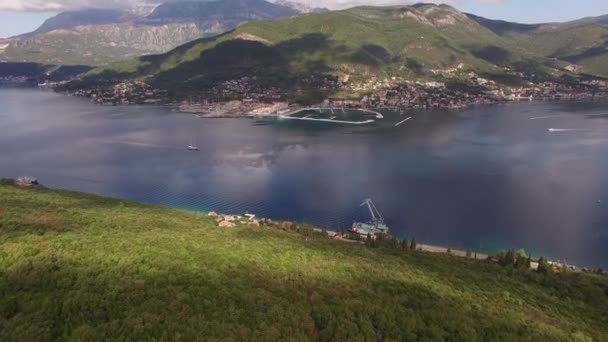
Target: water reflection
(488,177)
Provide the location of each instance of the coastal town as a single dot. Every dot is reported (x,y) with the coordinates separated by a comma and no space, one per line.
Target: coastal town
(245,97)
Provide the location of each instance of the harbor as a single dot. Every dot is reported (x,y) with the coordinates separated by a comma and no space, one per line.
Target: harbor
(350,116)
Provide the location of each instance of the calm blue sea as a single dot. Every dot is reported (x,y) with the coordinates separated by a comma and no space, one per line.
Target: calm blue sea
(488,177)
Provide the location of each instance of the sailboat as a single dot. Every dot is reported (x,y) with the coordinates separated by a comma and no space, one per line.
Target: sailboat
(192,147)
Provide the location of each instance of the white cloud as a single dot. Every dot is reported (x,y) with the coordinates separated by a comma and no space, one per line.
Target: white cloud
(63,5)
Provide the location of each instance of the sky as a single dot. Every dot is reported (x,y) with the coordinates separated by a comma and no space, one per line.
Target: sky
(21,16)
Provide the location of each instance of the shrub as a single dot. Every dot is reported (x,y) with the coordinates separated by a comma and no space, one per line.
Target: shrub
(544,267)
(7,181)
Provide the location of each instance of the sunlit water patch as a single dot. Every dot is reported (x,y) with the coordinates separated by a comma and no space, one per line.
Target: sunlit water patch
(489,177)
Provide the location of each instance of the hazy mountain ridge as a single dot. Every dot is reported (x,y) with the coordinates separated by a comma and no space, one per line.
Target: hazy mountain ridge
(359,44)
(99,36)
(360,51)
(583,43)
(220,10)
(300,7)
(70,20)
(403,42)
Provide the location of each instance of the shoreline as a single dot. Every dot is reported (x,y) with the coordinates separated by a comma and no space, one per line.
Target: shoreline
(263,110)
(232,220)
(252,108)
(217,114)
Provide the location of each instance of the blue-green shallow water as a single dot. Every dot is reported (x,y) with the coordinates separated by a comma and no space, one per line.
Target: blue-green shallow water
(489,176)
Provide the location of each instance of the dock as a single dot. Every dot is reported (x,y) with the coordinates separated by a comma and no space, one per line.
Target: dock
(402,121)
(332,119)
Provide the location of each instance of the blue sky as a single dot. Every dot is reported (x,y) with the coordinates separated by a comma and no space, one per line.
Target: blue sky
(14,22)
(20,16)
(534,11)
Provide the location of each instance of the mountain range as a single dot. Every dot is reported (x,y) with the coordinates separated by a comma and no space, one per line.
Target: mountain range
(364,45)
(293,48)
(100,36)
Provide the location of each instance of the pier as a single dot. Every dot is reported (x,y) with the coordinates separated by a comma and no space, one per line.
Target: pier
(402,121)
(332,119)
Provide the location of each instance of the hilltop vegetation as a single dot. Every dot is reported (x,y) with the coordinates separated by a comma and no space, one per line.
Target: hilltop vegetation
(308,52)
(81,267)
(355,45)
(583,43)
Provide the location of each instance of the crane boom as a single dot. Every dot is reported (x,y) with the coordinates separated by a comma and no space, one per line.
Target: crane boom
(375,226)
(374,212)
(378,215)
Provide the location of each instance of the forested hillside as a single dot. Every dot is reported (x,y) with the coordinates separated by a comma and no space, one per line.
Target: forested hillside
(81,267)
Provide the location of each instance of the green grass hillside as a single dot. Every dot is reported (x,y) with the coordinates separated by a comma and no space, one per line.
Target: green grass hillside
(584,42)
(584,45)
(81,267)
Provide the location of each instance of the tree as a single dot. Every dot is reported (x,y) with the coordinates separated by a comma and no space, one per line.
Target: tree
(529,262)
(404,244)
(395,243)
(543,266)
(413,244)
(507,259)
(521,261)
(522,252)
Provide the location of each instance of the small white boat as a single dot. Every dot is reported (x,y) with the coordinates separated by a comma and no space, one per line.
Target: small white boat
(192,147)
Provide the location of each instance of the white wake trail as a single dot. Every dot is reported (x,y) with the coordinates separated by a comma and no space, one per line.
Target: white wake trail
(135,143)
(556,130)
(546,117)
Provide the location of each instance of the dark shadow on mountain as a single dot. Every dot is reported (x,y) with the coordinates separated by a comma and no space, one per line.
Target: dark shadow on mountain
(306,44)
(533,68)
(493,54)
(501,27)
(413,65)
(317,66)
(66,72)
(371,55)
(504,78)
(588,53)
(21,69)
(182,49)
(229,60)
(263,66)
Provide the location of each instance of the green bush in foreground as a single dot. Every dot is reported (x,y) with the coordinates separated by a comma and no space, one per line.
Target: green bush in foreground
(80,267)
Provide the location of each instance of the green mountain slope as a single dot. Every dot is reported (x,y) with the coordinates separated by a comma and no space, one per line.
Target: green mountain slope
(360,43)
(81,267)
(584,45)
(583,42)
